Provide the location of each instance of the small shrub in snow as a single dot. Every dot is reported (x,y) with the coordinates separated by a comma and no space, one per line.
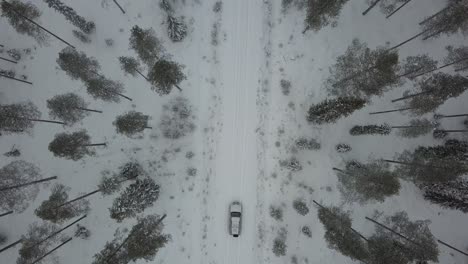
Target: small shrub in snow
(279,244)
(82,232)
(439,134)
(81,36)
(291,164)
(218,7)
(343,148)
(276,213)
(465,123)
(176,28)
(166,6)
(384,129)
(306,231)
(285,86)
(109,42)
(300,207)
(14,152)
(3,239)
(189,154)
(177,120)
(131,170)
(192,171)
(309,144)
(15,54)
(109,185)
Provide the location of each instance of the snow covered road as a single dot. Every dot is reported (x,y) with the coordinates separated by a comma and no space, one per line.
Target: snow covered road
(236,170)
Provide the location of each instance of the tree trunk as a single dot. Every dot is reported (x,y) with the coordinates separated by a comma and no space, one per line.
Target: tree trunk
(408,73)
(411,96)
(1,46)
(89,110)
(413,164)
(400,7)
(370,7)
(11,245)
(13,78)
(78,198)
(449,131)
(50,252)
(55,233)
(148,127)
(408,40)
(142,75)
(434,15)
(443,66)
(408,126)
(7,188)
(5,214)
(177,86)
(95,145)
(336,169)
(451,247)
(390,111)
(121,9)
(46,121)
(352,229)
(32,21)
(125,241)
(121,95)
(394,232)
(5,59)
(448,116)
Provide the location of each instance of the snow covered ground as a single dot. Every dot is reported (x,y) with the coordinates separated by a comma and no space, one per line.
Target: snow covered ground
(244,126)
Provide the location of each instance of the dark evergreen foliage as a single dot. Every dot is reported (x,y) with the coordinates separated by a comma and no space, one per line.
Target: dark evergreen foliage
(82,232)
(131,170)
(21,25)
(69,107)
(388,6)
(135,199)
(300,207)
(49,210)
(338,233)
(441,86)
(146,45)
(452,21)
(14,173)
(17,118)
(307,144)
(414,66)
(362,72)
(14,152)
(450,195)
(72,16)
(105,89)
(164,75)
(416,128)
(343,148)
(31,249)
(77,65)
(459,55)
(321,13)
(384,129)
(129,65)
(330,110)
(131,123)
(72,146)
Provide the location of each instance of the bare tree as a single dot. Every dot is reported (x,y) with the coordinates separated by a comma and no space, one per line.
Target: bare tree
(72,146)
(17,173)
(131,123)
(69,108)
(147,46)
(18,118)
(49,209)
(165,75)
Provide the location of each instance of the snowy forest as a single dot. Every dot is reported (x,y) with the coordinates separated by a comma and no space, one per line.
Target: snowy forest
(127,128)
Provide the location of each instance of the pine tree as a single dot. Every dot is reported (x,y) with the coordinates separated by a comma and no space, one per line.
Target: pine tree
(450,195)
(423,246)
(440,87)
(330,110)
(112,253)
(388,6)
(17,118)
(177,120)
(131,170)
(166,6)
(72,146)
(176,28)
(451,21)
(21,25)
(307,144)
(369,182)
(77,65)
(69,108)
(110,185)
(362,72)
(165,75)
(147,46)
(416,128)
(384,129)
(459,55)
(452,149)
(131,123)
(131,66)
(105,89)
(35,243)
(321,13)
(413,66)
(385,250)
(14,173)
(343,148)
(72,16)
(51,210)
(135,199)
(338,233)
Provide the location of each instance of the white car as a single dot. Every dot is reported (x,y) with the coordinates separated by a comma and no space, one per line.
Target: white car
(235,215)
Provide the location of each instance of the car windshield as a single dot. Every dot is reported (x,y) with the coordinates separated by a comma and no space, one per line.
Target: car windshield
(235,214)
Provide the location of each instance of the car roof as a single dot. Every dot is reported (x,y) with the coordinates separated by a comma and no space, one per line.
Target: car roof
(236,207)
